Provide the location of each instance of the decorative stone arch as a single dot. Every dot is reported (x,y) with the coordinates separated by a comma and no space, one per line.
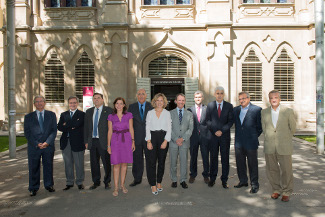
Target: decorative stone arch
(240,61)
(167,52)
(73,60)
(295,58)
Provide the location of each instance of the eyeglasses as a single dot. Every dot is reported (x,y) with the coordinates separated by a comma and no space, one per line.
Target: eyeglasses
(243,99)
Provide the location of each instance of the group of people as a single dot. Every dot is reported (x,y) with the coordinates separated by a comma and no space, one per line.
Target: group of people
(120,136)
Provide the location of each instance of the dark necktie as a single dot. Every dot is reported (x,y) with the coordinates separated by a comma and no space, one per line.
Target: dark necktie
(141,111)
(180,116)
(71,114)
(95,124)
(219,111)
(41,121)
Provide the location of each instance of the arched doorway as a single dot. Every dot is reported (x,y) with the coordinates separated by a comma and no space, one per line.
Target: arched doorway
(167,75)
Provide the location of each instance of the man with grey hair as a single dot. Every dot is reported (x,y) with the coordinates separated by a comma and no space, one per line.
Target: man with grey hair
(219,121)
(200,138)
(247,130)
(139,111)
(71,124)
(279,125)
(40,131)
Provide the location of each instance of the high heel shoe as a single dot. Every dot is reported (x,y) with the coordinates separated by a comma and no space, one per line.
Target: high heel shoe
(124,190)
(160,189)
(115,192)
(154,192)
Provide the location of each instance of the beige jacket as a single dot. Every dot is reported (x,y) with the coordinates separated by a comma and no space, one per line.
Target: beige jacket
(279,139)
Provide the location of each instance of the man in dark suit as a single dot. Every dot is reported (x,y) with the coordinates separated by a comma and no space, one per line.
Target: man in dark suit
(139,111)
(95,137)
(40,131)
(248,128)
(200,137)
(219,121)
(71,123)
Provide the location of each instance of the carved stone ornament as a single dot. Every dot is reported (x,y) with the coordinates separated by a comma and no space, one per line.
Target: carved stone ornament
(70,14)
(150,13)
(184,13)
(260,10)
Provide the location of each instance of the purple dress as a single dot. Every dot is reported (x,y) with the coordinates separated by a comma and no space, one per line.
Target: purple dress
(121,142)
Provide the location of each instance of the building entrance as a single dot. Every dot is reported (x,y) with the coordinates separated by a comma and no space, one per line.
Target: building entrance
(169,87)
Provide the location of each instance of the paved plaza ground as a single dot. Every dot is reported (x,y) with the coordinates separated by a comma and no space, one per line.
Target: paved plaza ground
(198,200)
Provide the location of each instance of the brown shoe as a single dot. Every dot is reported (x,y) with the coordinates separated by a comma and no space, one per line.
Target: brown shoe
(206,180)
(275,196)
(191,180)
(285,198)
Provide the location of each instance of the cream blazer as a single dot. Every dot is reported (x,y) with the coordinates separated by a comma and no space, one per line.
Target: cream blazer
(279,139)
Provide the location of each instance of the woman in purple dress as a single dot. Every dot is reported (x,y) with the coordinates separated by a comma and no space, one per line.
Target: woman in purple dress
(120,142)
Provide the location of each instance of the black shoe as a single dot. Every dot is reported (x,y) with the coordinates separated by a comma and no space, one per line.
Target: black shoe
(134,183)
(94,186)
(254,190)
(239,185)
(206,180)
(184,185)
(191,180)
(107,186)
(32,193)
(67,187)
(80,187)
(50,189)
(225,185)
(174,185)
(211,183)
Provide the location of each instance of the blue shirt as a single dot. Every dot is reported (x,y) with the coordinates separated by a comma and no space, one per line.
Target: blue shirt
(243,112)
(181,110)
(143,107)
(221,105)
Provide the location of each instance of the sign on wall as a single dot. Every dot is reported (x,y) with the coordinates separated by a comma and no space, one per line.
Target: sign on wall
(88,93)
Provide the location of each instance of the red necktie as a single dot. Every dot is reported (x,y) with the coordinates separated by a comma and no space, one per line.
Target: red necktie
(219,111)
(198,113)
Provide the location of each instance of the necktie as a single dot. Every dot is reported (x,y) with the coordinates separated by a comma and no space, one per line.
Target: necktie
(71,114)
(198,113)
(141,111)
(41,121)
(180,116)
(95,124)
(219,111)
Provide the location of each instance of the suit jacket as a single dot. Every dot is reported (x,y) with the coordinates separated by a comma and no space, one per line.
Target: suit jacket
(278,139)
(102,126)
(181,130)
(139,125)
(74,127)
(33,132)
(246,134)
(224,123)
(200,128)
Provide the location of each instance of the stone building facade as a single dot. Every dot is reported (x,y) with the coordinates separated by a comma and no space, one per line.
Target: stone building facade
(167,46)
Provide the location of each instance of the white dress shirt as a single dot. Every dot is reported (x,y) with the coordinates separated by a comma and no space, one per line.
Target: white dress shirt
(275,115)
(153,123)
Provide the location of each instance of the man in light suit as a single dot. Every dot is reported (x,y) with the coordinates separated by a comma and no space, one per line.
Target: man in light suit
(247,130)
(139,111)
(219,121)
(40,131)
(72,144)
(279,125)
(182,127)
(200,138)
(95,137)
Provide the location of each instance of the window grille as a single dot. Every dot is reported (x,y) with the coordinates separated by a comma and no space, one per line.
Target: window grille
(252,76)
(54,80)
(84,74)
(168,66)
(284,76)
(167,2)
